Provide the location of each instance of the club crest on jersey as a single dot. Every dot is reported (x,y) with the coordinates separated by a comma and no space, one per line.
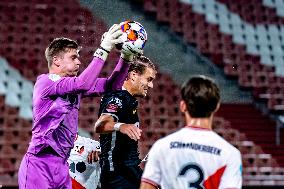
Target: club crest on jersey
(112,108)
(114,105)
(79,149)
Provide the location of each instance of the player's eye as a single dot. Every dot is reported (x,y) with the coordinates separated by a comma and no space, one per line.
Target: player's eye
(150,79)
(74,57)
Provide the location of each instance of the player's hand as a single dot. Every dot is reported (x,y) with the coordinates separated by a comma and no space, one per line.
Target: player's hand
(93,157)
(129,56)
(132,52)
(131,130)
(112,37)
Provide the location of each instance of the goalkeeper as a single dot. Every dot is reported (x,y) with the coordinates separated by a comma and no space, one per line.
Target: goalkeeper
(56,101)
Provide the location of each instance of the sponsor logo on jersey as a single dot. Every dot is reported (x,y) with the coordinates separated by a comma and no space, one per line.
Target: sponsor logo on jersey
(112,108)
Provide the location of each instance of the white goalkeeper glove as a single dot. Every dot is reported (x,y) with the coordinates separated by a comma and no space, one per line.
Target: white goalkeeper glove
(112,37)
(108,41)
(129,56)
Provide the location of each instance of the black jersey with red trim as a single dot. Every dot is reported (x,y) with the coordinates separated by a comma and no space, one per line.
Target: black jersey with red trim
(117,149)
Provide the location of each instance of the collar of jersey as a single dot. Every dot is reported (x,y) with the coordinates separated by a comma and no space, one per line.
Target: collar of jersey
(129,95)
(197,128)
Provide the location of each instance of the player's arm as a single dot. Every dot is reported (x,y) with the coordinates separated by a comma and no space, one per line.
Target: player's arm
(112,83)
(232,177)
(116,79)
(152,173)
(85,81)
(120,72)
(107,124)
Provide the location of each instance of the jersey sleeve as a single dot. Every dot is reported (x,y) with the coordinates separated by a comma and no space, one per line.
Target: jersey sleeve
(56,85)
(112,83)
(152,172)
(112,106)
(232,177)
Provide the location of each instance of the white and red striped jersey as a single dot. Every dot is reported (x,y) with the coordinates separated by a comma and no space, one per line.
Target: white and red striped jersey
(83,174)
(193,158)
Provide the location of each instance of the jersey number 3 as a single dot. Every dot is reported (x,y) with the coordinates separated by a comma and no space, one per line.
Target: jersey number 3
(196,168)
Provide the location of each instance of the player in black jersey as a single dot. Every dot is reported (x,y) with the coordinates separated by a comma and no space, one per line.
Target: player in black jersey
(118,125)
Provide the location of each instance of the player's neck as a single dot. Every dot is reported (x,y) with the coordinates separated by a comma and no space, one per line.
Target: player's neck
(127,86)
(205,123)
(55,71)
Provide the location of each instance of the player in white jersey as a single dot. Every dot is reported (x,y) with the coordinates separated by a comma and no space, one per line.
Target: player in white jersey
(84,167)
(195,156)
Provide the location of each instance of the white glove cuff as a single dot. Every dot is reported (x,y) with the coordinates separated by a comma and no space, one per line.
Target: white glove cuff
(116,126)
(101,53)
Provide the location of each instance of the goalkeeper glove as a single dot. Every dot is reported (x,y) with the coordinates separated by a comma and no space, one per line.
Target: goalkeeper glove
(112,37)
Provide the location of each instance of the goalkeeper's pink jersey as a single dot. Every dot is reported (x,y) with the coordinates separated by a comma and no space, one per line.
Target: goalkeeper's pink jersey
(193,158)
(56,102)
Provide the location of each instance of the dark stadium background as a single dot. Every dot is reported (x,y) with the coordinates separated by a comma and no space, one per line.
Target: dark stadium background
(238,43)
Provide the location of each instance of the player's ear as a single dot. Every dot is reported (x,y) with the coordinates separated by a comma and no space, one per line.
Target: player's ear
(56,61)
(182,106)
(217,108)
(133,75)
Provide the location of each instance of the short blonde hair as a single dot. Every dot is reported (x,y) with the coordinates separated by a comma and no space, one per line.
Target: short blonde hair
(59,46)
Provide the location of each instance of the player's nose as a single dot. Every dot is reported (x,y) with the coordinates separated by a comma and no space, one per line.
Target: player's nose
(78,62)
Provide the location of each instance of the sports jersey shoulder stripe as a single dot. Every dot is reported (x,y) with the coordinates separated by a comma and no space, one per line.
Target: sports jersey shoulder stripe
(213,181)
(150,182)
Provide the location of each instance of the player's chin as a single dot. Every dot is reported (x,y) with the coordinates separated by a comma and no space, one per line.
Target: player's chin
(140,95)
(72,74)
(75,73)
(144,94)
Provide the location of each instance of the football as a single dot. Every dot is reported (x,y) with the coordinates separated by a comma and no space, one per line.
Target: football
(134,37)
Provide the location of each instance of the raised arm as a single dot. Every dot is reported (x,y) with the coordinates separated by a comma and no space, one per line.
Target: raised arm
(118,75)
(86,80)
(112,83)
(116,79)
(120,72)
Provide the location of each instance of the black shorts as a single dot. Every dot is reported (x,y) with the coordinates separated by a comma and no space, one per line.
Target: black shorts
(121,178)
